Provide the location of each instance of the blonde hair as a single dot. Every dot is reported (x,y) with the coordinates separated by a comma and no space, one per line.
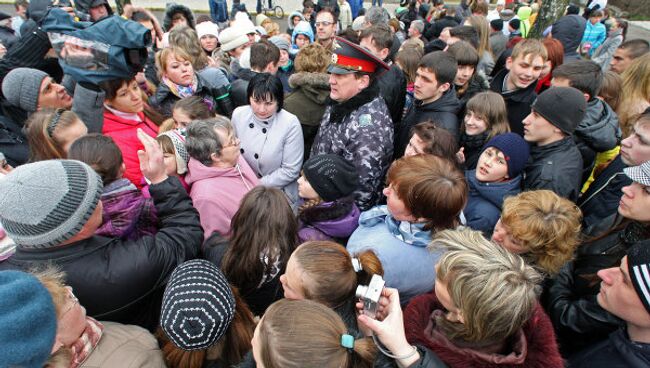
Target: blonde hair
(301,333)
(547,225)
(491,108)
(495,290)
(41,130)
(272,29)
(162,55)
(635,92)
(312,58)
(529,46)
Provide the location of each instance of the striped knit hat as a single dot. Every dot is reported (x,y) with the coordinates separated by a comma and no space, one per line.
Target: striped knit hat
(638,266)
(46,203)
(198,305)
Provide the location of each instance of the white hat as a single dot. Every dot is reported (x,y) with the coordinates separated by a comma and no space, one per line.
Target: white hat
(244,23)
(232,37)
(501,2)
(207,28)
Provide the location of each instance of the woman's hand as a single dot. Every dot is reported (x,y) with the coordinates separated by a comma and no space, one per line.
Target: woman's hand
(151,159)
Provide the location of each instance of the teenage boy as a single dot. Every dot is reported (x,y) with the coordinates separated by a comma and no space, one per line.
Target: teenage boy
(626,53)
(517,82)
(378,39)
(599,130)
(624,293)
(555,162)
(264,59)
(435,98)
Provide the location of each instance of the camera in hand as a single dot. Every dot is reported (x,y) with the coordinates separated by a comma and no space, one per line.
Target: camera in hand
(370,295)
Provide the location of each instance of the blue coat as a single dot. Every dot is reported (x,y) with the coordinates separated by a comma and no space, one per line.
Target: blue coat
(484,203)
(402,249)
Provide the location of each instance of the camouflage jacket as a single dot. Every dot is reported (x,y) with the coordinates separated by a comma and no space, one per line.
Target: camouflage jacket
(361,131)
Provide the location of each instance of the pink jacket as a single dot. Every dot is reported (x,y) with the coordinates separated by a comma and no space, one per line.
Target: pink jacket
(216,193)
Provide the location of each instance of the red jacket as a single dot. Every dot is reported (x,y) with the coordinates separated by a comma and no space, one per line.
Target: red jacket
(534,347)
(124,133)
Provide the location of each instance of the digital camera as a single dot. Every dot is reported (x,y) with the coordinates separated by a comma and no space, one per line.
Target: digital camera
(370,295)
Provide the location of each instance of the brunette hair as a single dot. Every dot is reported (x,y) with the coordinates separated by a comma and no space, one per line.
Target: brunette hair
(431,187)
(263,53)
(267,87)
(312,58)
(111,87)
(583,75)
(101,153)
(382,37)
(194,107)
(547,225)
(329,275)
(442,64)
(185,38)
(230,349)
(491,108)
(438,141)
(263,224)
(464,53)
(554,51)
(408,59)
(482,28)
(301,333)
(166,144)
(610,91)
(41,130)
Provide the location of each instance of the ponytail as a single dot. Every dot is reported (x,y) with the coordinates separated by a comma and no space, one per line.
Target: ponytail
(370,264)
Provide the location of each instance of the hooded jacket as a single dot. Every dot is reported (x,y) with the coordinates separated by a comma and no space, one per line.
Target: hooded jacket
(336,229)
(308,102)
(290,24)
(484,202)
(85,5)
(533,346)
(555,167)
(173,8)
(126,213)
(442,111)
(303,28)
(598,132)
(618,351)
(518,101)
(569,31)
(216,192)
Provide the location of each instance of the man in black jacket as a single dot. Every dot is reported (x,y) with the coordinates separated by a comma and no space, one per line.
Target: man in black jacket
(378,39)
(555,162)
(517,82)
(264,59)
(435,98)
(51,210)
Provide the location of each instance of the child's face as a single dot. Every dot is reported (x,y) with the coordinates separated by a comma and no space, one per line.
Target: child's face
(170,164)
(305,189)
(302,41)
(181,119)
(492,166)
(295,20)
(474,124)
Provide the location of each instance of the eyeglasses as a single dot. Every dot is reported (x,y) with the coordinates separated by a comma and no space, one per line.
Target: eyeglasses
(234,142)
(71,299)
(324,24)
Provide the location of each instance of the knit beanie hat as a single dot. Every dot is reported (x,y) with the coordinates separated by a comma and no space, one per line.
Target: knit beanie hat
(46,203)
(515,150)
(497,24)
(331,176)
(207,28)
(280,42)
(564,107)
(515,23)
(198,305)
(638,265)
(21,87)
(357,23)
(260,18)
(27,321)
(182,157)
(232,37)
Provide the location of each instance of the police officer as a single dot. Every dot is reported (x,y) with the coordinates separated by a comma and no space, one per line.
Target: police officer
(356,124)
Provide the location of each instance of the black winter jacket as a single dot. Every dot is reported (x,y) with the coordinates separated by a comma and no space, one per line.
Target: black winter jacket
(517,102)
(173,8)
(123,280)
(164,99)
(477,84)
(598,132)
(239,88)
(13,143)
(472,146)
(442,111)
(433,31)
(600,201)
(555,166)
(392,85)
(571,299)
(618,351)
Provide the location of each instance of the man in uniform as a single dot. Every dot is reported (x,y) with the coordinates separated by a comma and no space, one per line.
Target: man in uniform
(356,124)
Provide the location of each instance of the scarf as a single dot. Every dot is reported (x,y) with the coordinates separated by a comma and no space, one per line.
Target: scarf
(342,109)
(86,343)
(182,91)
(408,232)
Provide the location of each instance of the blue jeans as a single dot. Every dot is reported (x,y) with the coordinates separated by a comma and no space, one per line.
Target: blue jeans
(380,2)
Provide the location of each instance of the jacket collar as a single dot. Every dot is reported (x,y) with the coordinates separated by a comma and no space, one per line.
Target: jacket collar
(519,95)
(342,109)
(409,233)
(562,144)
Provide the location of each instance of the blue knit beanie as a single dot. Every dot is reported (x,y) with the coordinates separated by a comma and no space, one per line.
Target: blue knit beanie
(27,321)
(515,150)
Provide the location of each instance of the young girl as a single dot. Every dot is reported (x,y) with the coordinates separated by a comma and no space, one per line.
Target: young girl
(497,175)
(486,117)
(408,59)
(185,111)
(126,213)
(175,155)
(326,187)
(51,132)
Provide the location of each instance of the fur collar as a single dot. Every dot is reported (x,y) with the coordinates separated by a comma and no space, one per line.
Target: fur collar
(341,110)
(302,79)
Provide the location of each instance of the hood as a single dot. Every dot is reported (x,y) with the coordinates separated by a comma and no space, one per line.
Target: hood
(341,227)
(294,14)
(197,171)
(315,86)
(494,193)
(599,128)
(302,28)
(173,8)
(524,12)
(448,102)
(85,5)
(569,31)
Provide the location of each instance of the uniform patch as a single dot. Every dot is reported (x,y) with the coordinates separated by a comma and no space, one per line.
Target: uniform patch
(364,120)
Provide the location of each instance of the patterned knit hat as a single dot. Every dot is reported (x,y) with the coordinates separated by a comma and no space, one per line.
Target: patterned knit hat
(46,203)
(182,157)
(640,174)
(638,265)
(27,321)
(515,150)
(198,305)
(21,87)
(331,176)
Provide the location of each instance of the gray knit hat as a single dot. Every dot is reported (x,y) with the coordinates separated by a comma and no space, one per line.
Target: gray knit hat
(46,203)
(198,305)
(21,87)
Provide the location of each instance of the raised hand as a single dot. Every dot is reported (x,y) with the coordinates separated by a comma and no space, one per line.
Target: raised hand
(151,159)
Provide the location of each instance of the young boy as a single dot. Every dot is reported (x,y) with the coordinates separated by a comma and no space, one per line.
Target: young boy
(517,82)
(555,162)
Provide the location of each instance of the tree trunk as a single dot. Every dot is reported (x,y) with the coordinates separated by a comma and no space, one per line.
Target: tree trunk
(549,12)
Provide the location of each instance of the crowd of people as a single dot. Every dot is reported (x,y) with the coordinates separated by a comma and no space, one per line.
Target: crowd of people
(445,186)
